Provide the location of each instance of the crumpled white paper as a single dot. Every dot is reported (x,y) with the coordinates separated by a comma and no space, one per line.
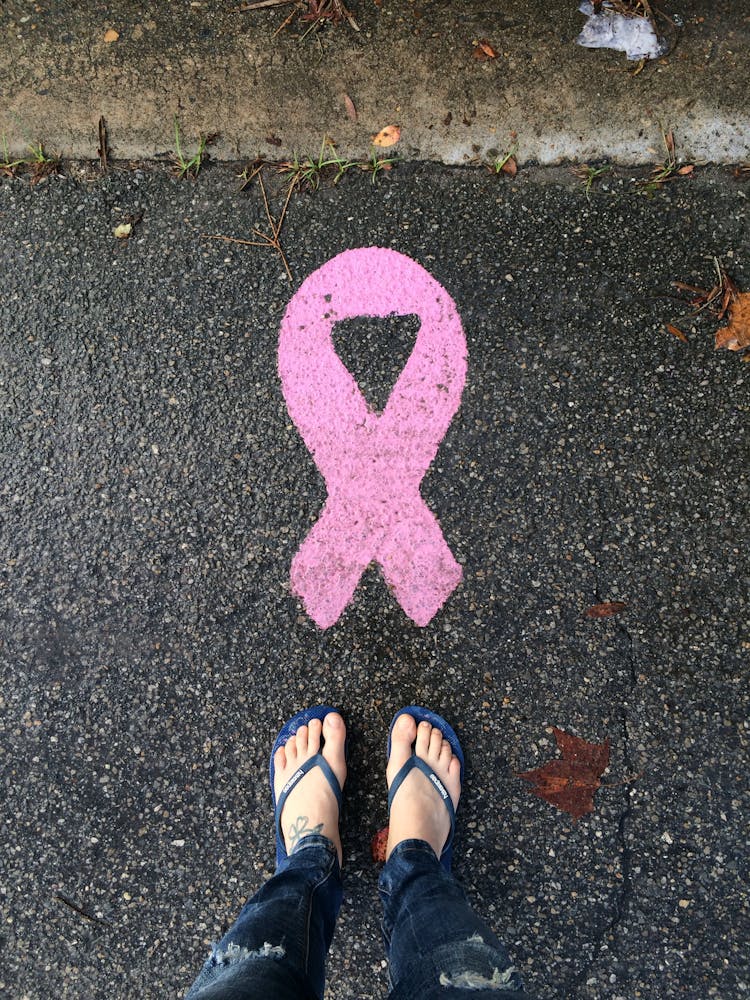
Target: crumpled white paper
(634,36)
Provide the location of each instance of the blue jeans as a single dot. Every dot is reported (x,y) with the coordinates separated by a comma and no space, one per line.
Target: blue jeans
(437,948)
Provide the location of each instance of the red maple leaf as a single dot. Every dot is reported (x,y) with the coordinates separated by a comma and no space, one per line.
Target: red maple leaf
(569,783)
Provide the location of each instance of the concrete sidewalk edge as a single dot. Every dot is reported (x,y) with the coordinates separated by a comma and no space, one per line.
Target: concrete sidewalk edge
(272,94)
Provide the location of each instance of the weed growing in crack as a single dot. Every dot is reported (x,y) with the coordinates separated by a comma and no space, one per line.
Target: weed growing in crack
(668,170)
(589,174)
(506,164)
(308,172)
(189,166)
(42,163)
(376,164)
(8,167)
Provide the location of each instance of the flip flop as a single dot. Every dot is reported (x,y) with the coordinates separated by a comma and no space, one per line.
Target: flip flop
(289,728)
(425,715)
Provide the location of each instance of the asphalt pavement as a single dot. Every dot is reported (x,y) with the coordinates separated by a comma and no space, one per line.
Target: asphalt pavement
(154,491)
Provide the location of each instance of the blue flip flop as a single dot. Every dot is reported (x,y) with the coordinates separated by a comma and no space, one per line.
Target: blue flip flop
(289,728)
(425,715)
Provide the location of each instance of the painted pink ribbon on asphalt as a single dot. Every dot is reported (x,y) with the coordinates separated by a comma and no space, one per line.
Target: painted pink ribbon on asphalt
(373,463)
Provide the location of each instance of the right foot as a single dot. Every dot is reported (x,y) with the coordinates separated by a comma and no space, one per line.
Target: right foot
(311,806)
(418,810)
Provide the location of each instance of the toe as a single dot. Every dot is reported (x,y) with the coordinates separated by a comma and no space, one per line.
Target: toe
(290,749)
(334,730)
(424,732)
(445,753)
(314,730)
(300,739)
(454,771)
(403,735)
(404,730)
(436,744)
(279,759)
(334,736)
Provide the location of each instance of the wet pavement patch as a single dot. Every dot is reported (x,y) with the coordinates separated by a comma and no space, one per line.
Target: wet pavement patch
(155,490)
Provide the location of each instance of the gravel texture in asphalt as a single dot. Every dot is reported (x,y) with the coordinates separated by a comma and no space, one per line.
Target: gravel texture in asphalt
(154,491)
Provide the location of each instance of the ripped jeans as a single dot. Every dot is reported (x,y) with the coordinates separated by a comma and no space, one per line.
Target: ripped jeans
(437,948)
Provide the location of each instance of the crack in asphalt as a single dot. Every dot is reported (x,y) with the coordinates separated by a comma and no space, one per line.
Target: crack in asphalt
(622,899)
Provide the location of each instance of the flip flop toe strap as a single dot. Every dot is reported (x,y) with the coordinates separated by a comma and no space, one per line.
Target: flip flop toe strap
(427,771)
(317,761)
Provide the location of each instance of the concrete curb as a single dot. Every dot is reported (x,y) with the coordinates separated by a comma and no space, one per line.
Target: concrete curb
(226,71)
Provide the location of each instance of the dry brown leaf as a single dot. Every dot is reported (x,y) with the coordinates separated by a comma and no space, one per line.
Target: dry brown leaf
(483,50)
(676,332)
(736,336)
(387,136)
(123,230)
(350,108)
(687,169)
(569,783)
(510,167)
(110,35)
(605,610)
(729,292)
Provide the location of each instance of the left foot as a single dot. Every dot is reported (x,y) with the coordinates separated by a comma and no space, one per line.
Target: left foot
(311,806)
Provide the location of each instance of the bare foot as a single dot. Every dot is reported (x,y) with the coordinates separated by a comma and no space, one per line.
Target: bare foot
(311,806)
(418,810)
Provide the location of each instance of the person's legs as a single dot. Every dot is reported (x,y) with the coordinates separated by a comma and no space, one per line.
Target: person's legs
(276,948)
(436,945)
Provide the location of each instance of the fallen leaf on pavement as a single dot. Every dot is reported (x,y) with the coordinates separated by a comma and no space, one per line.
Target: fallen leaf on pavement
(605,610)
(387,136)
(123,230)
(483,50)
(569,783)
(350,108)
(729,292)
(676,332)
(736,336)
(723,299)
(378,844)
(687,169)
(510,167)
(110,35)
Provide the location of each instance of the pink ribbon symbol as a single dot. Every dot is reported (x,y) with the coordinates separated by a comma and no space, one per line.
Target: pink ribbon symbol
(372,463)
